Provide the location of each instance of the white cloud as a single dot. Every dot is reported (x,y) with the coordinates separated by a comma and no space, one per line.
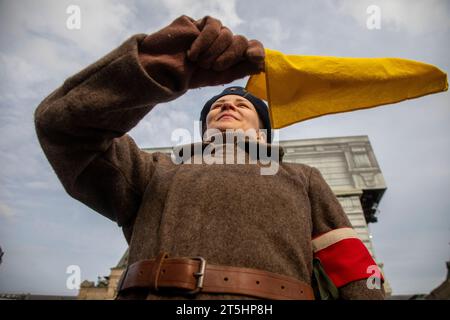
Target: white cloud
(155,130)
(225,11)
(413,16)
(43,52)
(19,76)
(5,211)
(39,185)
(270,31)
(102,22)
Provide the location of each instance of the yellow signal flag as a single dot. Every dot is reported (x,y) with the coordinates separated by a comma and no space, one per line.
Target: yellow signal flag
(299,87)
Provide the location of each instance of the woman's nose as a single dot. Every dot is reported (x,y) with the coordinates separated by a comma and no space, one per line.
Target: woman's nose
(228,105)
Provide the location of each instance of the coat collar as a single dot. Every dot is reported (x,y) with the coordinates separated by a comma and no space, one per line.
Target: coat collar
(184,152)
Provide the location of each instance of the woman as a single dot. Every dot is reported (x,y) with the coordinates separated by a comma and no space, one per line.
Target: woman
(197,230)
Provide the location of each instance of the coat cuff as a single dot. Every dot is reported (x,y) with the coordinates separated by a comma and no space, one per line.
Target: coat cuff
(344,257)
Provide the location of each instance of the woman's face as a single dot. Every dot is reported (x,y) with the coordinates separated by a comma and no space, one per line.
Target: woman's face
(233,112)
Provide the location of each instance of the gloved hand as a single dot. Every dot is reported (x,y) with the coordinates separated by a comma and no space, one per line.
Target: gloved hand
(190,54)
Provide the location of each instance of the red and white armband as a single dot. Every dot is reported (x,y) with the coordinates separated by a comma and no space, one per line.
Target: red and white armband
(344,257)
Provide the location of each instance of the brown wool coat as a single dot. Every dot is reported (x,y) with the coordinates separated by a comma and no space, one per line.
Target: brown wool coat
(229,214)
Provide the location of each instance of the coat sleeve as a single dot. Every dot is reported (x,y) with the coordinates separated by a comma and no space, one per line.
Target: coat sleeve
(82,127)
(342,255)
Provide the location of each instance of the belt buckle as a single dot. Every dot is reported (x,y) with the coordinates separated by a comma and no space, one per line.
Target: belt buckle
(199,275)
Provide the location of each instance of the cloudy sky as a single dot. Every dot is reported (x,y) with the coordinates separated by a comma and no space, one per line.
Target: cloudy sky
(43,230)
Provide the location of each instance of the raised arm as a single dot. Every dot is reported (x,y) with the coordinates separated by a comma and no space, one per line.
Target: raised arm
(82,125)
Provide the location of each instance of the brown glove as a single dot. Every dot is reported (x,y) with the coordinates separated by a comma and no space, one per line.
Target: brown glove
(190,54)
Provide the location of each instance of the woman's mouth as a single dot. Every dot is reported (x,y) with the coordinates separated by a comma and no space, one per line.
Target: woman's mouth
(226,118)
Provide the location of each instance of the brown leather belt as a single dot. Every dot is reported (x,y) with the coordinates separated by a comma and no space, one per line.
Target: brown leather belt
(194,275)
